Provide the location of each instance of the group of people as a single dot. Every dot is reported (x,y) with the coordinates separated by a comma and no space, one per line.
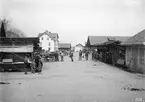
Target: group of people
(70,55)
(102,56)
(35,64)
(83,54)
(95,55)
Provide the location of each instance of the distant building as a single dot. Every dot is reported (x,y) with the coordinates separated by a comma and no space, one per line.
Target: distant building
(135,52)
(65,47)
(49,41)
(78,47)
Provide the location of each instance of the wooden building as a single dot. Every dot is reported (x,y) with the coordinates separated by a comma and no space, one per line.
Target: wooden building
(78,47)
(13,51)
(94,41)
(65,47)
(135,52)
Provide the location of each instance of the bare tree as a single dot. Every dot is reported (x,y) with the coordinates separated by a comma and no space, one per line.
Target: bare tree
(11,31)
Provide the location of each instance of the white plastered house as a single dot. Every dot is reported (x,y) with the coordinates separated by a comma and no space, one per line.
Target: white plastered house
(78,47)
(49,41)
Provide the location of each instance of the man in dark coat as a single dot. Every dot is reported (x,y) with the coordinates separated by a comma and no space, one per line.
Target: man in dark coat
(27,64)
(80,55)
(62,56)
(39,63)
(71,56)
(86,55)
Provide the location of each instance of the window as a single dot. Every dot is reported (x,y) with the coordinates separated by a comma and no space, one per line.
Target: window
(42,38)
(47,38)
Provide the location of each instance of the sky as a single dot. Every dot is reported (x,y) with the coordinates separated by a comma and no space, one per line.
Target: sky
(75,20)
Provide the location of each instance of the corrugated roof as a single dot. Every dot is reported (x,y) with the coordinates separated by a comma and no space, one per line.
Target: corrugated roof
(97,40)
(136,39)
(64,45)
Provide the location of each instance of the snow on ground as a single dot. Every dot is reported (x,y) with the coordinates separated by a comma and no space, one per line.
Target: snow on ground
(78,81)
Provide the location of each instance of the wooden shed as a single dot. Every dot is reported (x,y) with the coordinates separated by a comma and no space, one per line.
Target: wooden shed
(13,51)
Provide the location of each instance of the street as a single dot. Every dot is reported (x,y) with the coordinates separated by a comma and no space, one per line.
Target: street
(78,81)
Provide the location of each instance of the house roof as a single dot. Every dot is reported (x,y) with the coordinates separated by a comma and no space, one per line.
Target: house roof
(53,36)
(97,40)
(64,45)
(79,45)
(136,39)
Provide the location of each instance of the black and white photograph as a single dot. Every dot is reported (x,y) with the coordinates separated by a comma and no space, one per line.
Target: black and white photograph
(72,50)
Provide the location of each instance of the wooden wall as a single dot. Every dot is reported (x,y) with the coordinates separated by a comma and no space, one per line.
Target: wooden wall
(135,58)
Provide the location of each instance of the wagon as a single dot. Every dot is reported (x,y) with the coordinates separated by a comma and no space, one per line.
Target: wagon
(52,56)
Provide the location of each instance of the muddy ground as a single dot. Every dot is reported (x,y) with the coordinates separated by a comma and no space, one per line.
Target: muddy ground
(78,81)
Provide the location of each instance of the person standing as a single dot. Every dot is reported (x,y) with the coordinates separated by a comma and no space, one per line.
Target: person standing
(62,56)
(80,55)
(32,65)
(93,53)
(86,55)
(27,64)
(71,56)
(39,63)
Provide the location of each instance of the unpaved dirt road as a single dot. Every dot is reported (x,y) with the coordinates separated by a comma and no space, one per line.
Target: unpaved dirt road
(78,81)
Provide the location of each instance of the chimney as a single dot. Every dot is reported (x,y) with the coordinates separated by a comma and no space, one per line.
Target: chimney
(47,31)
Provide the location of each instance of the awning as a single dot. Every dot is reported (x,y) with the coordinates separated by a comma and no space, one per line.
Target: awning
(28,48)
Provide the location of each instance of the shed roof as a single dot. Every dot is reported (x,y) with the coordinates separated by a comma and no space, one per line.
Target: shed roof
(64,45)
(18,41)
(136,39)
(97,40)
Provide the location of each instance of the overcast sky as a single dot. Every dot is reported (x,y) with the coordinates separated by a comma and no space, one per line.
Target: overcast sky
(74,20)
